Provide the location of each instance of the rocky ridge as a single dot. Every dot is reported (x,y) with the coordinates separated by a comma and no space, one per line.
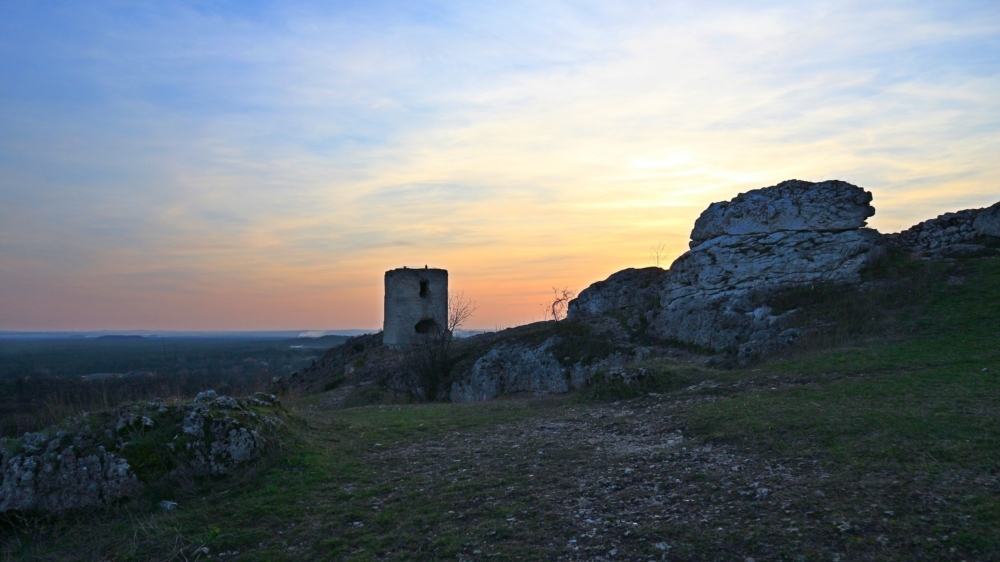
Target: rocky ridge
(950,234)
(540,358)
(796,233)
(713,296)
(359,358)
(103,457)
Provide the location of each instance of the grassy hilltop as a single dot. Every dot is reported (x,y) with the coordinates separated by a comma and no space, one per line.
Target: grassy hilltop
(876,439)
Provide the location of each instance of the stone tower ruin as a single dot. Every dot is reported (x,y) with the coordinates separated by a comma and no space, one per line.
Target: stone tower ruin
(416,305)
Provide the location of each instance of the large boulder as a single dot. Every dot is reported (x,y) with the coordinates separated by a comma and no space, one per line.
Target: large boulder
(540,358)
(511,368)
(792,205)
(714,296)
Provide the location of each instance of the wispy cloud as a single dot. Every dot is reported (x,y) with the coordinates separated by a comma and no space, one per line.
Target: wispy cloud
(258,165)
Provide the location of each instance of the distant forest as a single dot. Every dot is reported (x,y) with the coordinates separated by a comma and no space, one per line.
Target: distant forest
(42,381)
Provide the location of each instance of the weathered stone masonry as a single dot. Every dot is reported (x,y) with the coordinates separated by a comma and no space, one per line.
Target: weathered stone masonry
(416,305)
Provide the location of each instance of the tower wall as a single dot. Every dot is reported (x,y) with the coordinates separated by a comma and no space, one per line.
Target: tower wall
(416,305)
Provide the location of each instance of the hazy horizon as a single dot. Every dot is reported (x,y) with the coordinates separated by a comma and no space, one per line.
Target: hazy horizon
(258,166)
(15,334)
(75,334)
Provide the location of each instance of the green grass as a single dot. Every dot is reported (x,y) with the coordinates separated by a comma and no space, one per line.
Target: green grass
(924,410)
(920,401)
(311,493)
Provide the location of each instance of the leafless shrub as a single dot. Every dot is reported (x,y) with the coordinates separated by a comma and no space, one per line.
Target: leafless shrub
(460,309)
(426,369)
(657,254)
(556,310)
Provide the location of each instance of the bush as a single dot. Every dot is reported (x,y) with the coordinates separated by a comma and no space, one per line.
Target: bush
(334,383)
(622,384)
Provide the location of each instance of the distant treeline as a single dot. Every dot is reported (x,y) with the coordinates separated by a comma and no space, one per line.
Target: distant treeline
(40,380)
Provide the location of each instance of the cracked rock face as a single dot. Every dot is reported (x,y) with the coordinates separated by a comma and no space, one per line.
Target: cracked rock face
(794,233)
(792,205)
(711,297)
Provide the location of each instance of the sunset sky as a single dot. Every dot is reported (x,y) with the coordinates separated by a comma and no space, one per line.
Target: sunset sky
(253,165)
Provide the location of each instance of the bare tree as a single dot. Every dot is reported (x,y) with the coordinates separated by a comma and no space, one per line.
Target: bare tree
(460,309)
(427,367)
(560,301)
(656,253)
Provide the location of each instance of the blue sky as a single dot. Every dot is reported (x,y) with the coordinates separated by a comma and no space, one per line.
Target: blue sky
(255,165)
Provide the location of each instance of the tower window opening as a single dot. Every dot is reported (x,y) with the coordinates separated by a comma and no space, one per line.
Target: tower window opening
(423,288)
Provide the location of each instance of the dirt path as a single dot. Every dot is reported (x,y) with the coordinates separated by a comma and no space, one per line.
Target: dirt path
(624,481)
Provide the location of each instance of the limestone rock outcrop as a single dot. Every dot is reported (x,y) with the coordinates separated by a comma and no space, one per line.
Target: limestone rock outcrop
(950,234)
(792,205)
(542,358)
(987,221)
(720,298)
(510,369)
(714,296)
(626,290)
(100,458)
(945,230)
(59,472)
